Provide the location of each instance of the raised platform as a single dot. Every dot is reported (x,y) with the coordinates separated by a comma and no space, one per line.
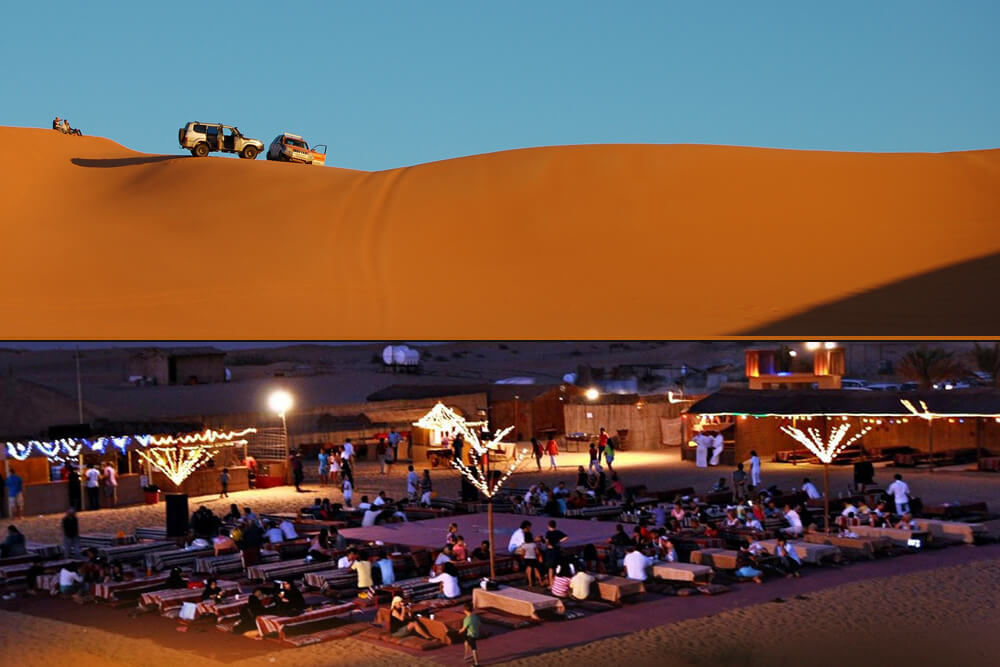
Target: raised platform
(432,533)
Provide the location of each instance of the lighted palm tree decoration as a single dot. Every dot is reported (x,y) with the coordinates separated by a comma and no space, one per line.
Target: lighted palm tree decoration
(826,451)
(477,471)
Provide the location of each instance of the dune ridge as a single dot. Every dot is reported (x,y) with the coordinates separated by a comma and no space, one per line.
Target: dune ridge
(602,241)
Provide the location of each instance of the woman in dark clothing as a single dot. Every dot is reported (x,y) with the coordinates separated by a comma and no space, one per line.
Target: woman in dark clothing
(248,614)
(233,516)
(175,580)
(319,545)
(289,600)
(212,591)
(536,451)
(14,545)
(73,487)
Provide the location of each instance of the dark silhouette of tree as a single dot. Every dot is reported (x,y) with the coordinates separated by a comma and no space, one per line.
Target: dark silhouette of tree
(987,359)
(927,366)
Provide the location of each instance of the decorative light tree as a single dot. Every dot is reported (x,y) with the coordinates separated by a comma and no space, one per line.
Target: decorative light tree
(478,470)
(179,456)
(826,452)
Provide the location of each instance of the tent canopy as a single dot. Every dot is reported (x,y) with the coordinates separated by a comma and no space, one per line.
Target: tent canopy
(832,402)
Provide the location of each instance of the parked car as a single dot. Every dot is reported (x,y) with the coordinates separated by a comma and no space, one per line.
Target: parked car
(288,147)
(951,384)
(204,138)
(884,386)
(858,385)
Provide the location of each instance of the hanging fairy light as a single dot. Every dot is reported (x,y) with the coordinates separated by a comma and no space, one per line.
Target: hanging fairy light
(72,447)
(826,451)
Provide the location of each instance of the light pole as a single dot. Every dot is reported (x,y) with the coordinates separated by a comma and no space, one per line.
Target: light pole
(280,401)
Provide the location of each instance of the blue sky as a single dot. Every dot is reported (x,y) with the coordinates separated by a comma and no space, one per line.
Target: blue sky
(388,84)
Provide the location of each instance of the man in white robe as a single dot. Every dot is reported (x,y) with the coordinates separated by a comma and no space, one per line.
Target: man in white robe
(717,445)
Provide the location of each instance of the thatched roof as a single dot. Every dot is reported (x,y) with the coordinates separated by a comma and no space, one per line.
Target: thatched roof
(774,402)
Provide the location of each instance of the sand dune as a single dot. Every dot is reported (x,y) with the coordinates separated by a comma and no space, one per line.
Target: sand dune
(609,241)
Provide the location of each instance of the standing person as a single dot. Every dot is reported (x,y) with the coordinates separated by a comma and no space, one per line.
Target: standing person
(324,467)
(297,474)
(609,453)
(412,483)
(93,487)
(754,469)
(346,470)
(900,492)
(224,483)
(426,488)
(335,475)
(718,444)
(348,452)
(702,441)
(252,539)
(73,489)
(552,449)
(71,534)
(388,459)
(110,477)
(394,439)
(739,484)
(15,495)
(348,490)
(251,464)
(536,451)
(457,447)
(470,628)
(595,459)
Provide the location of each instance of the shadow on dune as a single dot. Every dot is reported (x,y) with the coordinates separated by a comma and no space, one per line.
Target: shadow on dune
(960,300)
(104,163)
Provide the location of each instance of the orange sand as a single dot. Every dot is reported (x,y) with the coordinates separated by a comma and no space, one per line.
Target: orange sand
(609,241)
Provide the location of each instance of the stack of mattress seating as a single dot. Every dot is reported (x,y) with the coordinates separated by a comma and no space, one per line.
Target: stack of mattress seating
(170,600)
(129,590)
(809,552)
(289,548)
(953,530)
(20,560)
(723,498)
(669,495)
(734,536)
(898,536)
(288,569)
(472,571)
(164,560)
(105,540)
(309,621)
(414,590)
(451,505)
(596,511)
(228,563)
(130,553)
(332,579)
(227,611)
(151,533)
(17,572)
(43,550)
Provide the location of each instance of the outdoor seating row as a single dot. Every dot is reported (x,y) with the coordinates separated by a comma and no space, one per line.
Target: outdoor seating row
(172,598)
(128,553)
(229,563)
(164,560)
(112,590)
(282,626)
(105,540)
(151,533)
(288,569)
(45,550)
(939,529)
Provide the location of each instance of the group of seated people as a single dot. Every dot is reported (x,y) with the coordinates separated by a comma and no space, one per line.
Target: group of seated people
(592,488)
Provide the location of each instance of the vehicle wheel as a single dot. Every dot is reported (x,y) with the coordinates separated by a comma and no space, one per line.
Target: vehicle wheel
(201,150)
(248,152)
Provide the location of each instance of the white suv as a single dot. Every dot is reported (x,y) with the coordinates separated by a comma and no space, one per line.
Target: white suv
(288,147)
(203,138)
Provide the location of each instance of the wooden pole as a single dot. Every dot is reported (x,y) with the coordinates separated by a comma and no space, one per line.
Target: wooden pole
(489,522)
(930,438)
(826,497)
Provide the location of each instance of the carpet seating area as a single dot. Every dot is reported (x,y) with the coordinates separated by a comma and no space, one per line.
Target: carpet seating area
(97,540)
(228,563)
(172,598)
(285,569)
(131,553)
(312,619)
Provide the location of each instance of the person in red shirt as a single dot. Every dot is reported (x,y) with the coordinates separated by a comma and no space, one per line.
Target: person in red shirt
(552,448)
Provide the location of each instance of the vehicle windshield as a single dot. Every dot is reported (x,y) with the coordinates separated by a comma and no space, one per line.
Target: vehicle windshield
(298,143)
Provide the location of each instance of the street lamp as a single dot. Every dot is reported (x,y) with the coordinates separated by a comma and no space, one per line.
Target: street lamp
(280,401)
(592,394)
(813,345)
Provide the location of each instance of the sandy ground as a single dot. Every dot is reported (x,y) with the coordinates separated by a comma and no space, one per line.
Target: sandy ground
(658,470)
(334,253)
(942,616)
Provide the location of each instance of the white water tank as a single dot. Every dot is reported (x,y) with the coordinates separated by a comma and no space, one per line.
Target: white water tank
(400,355)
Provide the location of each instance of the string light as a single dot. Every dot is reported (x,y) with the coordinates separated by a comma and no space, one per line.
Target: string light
(179,461)
(827,451)
(73,447)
